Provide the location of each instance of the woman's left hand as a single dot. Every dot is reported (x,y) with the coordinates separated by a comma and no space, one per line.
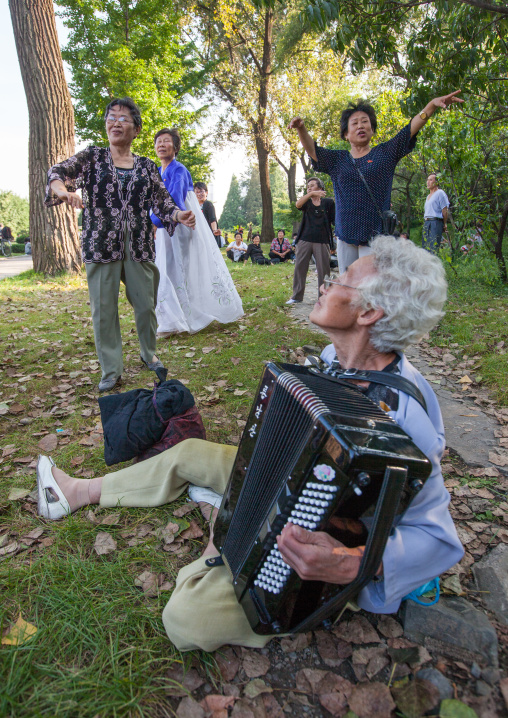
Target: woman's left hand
(187,218)
(446,100)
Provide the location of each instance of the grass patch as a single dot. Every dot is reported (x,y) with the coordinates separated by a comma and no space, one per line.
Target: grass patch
(101,649)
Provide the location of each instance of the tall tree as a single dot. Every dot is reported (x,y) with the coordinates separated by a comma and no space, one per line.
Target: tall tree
(236,46)
(53,231)
(15,212)
(232,212)
(134,48)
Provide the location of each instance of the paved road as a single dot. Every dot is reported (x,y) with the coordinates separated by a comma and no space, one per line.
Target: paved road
(469,430)
(11,266)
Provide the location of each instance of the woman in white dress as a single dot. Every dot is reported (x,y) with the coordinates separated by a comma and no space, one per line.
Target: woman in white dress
(195,285)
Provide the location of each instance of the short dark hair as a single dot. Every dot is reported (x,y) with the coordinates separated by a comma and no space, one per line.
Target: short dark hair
(361,106)
(200,185)
(256,234)
(320,183)
(130,105)
(433,174)
(175,135)
(238,233)
(281,230)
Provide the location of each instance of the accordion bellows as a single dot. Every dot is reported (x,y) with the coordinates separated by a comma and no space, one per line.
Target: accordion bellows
(314,449)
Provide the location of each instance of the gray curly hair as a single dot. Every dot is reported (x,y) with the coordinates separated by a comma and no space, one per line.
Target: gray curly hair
(409,286)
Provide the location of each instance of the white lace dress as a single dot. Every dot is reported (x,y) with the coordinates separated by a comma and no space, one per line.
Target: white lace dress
(195,286)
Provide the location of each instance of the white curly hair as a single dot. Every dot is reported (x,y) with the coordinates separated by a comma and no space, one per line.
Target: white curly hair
(409,286)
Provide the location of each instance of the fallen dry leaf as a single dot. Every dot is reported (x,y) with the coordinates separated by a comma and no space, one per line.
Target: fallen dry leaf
(148,582)
(8,450)
(371,699)
(194,531)
(228,663)
(357,630)
(255,664)
(10,548)
(296,643)
(17,493)
(20,633)
(335,703)
(185,509)
(327,649)
(111,520)
(35,533)
(207,350)
(189,708)
(182,683)
(48,443)
(235,360)
(389,627)
(498,459)
(416,697)
(16,408)
(465,380)
(104,543)
(217,703)
(256,688)
(503,685)
(77,460)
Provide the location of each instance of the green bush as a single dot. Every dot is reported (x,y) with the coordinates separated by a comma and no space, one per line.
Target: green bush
(18,248)
(478,266)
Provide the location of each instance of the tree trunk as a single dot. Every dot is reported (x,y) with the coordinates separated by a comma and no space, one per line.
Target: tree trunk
(292,182)
(262,148)
(267,232)
(53,230)
(498,249)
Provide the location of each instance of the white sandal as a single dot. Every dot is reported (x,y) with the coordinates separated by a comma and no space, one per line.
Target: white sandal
(48,506)
(203,493)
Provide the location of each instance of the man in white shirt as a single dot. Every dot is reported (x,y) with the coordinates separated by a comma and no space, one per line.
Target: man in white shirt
(435,214)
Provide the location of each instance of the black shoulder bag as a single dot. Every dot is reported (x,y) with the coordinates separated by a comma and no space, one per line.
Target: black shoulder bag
(388,216)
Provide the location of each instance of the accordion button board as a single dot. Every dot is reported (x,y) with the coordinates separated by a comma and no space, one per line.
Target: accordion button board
(314,453)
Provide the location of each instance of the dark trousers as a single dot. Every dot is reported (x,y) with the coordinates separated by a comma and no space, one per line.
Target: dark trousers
(272,255)
(304,251)
(231,256)
(432,234)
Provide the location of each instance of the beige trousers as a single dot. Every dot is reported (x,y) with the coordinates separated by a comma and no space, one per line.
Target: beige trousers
(203,611)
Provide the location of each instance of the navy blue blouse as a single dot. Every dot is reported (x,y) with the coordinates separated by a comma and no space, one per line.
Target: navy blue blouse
(356,218)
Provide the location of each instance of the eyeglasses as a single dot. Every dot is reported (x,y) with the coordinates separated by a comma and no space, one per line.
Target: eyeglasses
(329,280)
(122,119)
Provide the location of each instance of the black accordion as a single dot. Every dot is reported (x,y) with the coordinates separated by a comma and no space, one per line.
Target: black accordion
(318,453)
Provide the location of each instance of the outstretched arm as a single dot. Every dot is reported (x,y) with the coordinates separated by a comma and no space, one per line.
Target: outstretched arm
(445,101)
(306,140)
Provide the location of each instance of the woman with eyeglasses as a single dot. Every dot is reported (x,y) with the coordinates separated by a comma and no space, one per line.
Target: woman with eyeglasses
(195,286)
(118,190)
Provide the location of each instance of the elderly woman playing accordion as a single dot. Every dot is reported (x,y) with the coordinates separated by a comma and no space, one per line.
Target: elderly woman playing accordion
(381,304)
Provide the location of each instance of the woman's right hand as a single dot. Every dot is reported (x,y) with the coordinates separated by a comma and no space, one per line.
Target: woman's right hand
(317,193)
(72,199)
(296,123)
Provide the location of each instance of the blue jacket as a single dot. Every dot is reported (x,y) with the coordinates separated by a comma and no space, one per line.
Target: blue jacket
(178,182)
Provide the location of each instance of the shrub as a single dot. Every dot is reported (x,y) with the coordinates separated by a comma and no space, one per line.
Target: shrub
(18,248)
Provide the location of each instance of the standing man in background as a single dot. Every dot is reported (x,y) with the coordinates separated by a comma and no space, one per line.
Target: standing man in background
(435,214)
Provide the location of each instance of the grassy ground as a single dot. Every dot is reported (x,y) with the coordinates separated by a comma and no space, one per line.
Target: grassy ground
(100,641)
(100,648)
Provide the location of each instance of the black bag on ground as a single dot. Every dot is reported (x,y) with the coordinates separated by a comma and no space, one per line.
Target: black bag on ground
(135,420)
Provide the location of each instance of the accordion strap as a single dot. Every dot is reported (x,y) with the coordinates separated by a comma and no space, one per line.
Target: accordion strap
(383,377)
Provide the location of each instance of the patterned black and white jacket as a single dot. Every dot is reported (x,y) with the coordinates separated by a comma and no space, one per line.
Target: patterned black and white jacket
(108,208)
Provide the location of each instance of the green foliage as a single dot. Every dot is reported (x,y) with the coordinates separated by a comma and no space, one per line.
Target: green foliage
(232,213)
(17,248)
(133,48)
(14,212)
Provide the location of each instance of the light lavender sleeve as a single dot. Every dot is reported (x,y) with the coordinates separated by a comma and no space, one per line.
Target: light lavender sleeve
(424,542)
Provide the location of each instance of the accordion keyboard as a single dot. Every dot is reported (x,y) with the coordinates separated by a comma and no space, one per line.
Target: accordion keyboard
(313,504)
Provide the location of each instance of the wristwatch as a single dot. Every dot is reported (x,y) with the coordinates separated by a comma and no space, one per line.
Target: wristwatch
(424,115)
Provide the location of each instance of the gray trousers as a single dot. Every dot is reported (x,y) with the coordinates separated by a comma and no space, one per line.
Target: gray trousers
(349,253)
(432,234)
(304,251)
(141,281)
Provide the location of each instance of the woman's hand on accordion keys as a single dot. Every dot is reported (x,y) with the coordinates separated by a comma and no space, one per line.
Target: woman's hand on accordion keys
(316,556)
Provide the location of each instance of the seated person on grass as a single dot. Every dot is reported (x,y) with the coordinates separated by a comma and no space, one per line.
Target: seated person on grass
(280,249)
(255,252)
(384,302)
(236,250)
